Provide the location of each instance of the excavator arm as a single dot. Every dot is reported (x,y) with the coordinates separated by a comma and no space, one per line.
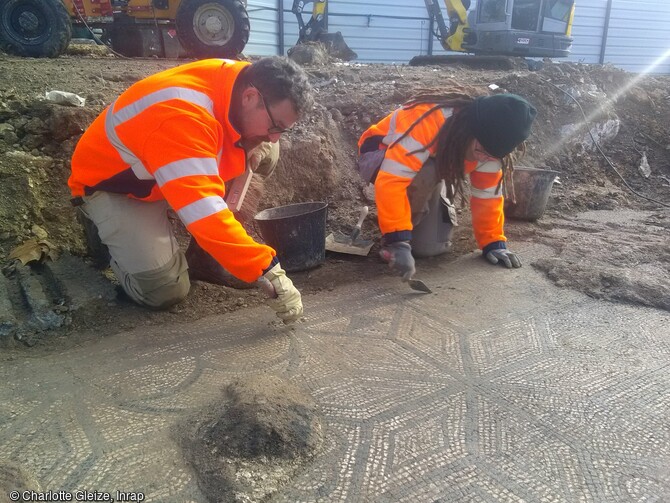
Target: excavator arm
(316,30)
(317,24)
(458,19)
(451,37)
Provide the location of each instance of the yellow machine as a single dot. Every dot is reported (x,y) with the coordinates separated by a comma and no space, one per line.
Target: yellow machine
(532,28)
(220,28)
(43,28)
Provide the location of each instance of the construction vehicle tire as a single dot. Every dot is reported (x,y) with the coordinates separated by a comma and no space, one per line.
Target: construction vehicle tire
(213,28)
(34,28)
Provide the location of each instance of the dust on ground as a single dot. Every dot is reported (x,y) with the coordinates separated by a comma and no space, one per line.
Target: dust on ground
(628,116)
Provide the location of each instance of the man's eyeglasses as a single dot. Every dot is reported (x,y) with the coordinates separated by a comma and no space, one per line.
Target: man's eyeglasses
(275,128)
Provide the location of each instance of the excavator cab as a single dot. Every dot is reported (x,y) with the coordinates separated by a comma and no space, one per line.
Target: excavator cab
(527,28)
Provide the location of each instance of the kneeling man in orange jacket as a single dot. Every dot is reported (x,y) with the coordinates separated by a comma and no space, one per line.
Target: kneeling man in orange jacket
(173,140)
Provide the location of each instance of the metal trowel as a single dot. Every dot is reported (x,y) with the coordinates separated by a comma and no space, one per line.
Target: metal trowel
(351,244)
(419,286)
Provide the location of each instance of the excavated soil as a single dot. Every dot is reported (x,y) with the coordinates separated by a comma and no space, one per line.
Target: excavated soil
(254,439)
(624,259)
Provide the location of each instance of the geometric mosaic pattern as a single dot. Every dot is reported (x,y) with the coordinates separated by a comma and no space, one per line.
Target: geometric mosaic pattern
(516,392)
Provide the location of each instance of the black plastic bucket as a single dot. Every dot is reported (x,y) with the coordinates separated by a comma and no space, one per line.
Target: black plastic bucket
(297,232)
(532,187)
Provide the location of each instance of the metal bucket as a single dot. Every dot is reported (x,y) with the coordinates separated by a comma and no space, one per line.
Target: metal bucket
(532,187)
(297,232)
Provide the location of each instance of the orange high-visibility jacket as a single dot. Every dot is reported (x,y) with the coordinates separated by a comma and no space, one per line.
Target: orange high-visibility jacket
(400,167)
(169,137)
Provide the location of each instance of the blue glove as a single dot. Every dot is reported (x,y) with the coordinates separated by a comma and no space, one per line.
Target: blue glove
(399,257)
(508,258)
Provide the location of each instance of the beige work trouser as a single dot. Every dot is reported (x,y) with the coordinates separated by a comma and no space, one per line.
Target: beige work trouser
(145,255)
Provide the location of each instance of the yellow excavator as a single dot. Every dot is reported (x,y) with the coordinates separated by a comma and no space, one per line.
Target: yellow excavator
(528,28)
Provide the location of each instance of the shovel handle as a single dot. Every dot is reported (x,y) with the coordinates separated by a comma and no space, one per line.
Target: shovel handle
(364,213)
(357,229)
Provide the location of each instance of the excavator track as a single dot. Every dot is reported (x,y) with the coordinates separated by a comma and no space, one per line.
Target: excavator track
(471,60)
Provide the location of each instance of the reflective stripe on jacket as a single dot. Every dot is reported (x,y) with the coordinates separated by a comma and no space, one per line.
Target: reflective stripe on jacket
(169,137)
(402,162)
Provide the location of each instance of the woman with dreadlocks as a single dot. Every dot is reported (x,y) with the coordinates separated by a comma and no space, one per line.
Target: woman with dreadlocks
(417,158)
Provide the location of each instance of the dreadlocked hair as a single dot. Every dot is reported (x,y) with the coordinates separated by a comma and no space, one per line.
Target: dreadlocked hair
(508,171)
(455,136)
(456,132)
(455,97)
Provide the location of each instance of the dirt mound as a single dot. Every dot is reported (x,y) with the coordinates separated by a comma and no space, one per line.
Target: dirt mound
(249,445)
(623,112)
(36,140)
(619,255)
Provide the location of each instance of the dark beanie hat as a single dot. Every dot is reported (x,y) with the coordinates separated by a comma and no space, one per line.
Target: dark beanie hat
(502,122)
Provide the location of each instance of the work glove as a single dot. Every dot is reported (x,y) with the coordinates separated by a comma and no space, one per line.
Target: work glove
(400,260)
(283,297)
(508,258)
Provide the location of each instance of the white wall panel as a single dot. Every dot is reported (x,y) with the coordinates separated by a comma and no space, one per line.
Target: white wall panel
(264,37)
(639,36)
(587,30)
(378,30)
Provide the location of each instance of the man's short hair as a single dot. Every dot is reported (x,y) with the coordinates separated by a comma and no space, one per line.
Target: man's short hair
(279,78)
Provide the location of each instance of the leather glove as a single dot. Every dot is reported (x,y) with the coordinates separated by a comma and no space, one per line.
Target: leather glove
(507,257)
(399,257)
(284,298)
